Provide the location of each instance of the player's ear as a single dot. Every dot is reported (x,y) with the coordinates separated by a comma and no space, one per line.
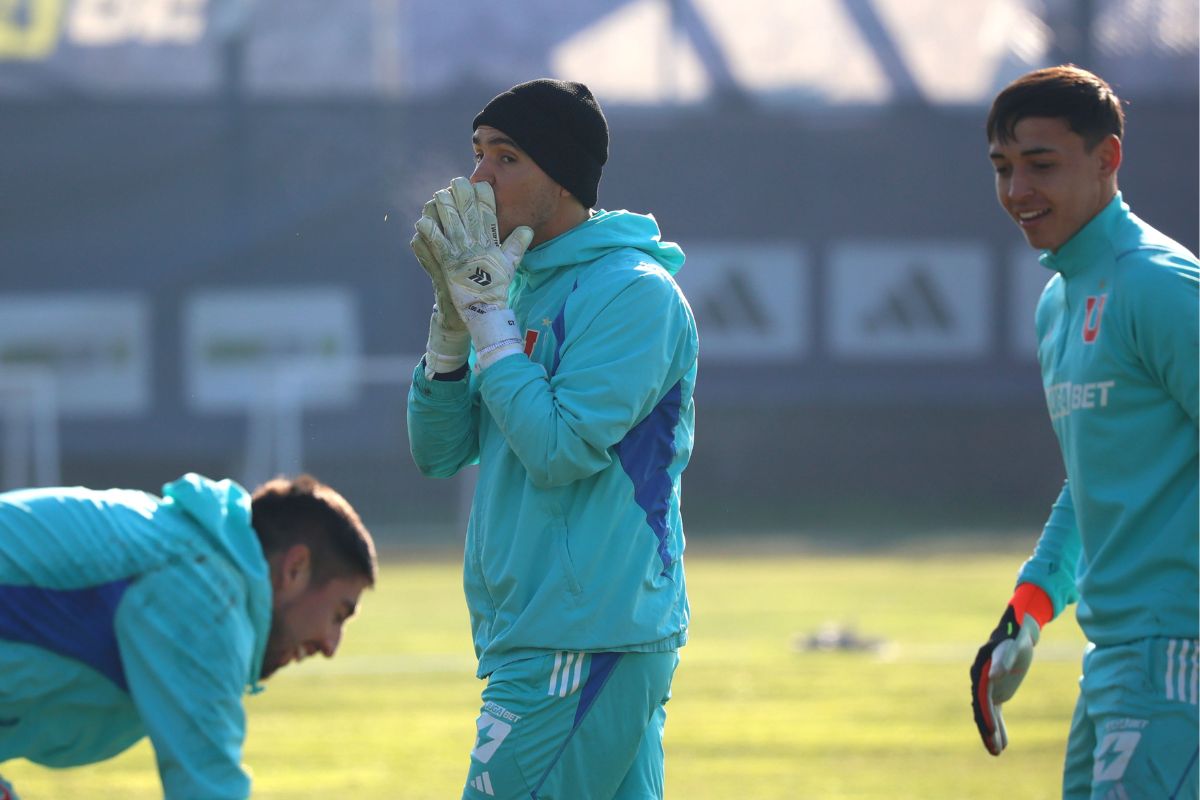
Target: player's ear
(292,572)
(1108,151)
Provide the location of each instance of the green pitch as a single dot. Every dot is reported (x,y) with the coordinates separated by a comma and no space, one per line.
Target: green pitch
(755,714)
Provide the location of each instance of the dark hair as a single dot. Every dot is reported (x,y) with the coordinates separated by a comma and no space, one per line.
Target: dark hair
(287,512)
(1087,103)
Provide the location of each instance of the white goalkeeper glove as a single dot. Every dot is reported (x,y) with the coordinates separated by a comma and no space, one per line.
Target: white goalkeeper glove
(477,267)
(449,343)
(1000,666)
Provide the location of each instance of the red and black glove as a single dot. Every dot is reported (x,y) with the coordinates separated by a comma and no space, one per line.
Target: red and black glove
(1001,664)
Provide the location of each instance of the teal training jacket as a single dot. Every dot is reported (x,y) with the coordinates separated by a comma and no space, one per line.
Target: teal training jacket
(1117,330)
(124,615)
(575,539)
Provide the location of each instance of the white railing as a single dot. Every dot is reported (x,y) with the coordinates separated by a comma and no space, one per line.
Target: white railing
(28,428)
(275,441)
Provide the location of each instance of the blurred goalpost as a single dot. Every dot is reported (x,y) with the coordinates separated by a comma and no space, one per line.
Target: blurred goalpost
(275,435)
(29,443)
(275,441)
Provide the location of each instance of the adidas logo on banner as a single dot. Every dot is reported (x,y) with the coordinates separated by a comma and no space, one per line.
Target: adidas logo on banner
(483,783)
(916,304)
(915,300)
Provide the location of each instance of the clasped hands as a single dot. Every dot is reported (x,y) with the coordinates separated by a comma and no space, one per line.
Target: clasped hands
(457,242)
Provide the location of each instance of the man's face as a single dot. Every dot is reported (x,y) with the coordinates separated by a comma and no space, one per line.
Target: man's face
(1049,183)
(311,621)
(525,195)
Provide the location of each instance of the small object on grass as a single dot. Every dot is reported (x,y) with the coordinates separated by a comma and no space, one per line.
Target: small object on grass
(833,636)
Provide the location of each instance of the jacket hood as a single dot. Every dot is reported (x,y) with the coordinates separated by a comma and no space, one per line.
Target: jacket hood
(222,510)
(602,233)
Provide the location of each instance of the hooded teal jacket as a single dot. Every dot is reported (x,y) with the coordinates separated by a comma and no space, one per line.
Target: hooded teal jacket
(124,615)
(575,539)
(1118,331)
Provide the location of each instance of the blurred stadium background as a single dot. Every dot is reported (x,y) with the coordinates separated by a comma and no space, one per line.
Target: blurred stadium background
(205,207)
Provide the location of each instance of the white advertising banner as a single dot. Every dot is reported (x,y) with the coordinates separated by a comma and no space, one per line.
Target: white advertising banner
(253,348)
(751,301)
(906,300)
(92,350)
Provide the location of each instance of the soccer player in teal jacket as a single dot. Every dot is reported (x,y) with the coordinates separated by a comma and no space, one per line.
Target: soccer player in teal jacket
(578,411)
(124,615)
(1117,329)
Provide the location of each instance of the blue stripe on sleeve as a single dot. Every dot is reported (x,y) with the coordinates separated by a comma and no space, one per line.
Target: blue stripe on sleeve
(559,327)
(75,623)
(646,453)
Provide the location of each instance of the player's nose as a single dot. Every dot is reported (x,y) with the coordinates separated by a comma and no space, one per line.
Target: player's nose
(483,173)
(329,644)
(1019,185)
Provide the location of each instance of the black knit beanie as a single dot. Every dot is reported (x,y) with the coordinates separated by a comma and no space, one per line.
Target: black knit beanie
(560,125)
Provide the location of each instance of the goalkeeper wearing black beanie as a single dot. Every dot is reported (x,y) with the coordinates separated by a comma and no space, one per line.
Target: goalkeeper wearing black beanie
(560,125)
(562,358)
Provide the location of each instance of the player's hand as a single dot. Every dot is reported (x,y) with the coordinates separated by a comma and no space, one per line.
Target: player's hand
(449,343)
(1000,666)
(465,240)
(448,317)
(478,268)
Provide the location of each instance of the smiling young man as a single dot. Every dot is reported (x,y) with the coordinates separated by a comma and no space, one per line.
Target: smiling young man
(1117,330)
(124,615)
(578,411)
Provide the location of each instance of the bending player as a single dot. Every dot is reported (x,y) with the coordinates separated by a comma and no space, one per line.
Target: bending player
(124,615)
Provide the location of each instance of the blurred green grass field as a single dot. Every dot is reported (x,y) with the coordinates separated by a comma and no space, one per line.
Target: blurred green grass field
(753,716)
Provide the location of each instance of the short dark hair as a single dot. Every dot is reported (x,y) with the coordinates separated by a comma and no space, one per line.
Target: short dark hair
(1087,103)
(302,510)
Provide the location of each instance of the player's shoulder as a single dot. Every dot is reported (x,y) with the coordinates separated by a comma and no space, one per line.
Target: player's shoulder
(629,272)
(1150,265)
(1156,275)
(1132,233)
(627,263)
(205,570)
(1142,252)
